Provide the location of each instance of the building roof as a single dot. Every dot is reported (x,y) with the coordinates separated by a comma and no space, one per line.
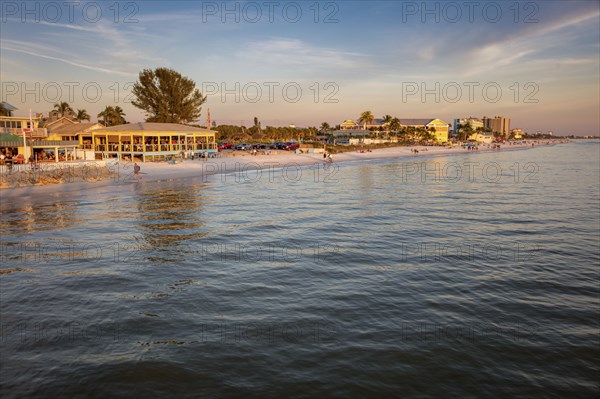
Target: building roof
(416,122)
(8,107)
(155,127)
(4,137)
(75,128)
(376,121)
(62,119)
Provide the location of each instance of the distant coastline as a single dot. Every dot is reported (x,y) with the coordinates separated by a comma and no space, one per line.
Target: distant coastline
(115,175)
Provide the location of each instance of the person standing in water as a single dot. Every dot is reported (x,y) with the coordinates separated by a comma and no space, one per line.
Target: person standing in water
(136,170)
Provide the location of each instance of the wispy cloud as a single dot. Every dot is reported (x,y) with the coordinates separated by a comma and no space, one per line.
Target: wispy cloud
(283,51)
(65,61)
(514,48)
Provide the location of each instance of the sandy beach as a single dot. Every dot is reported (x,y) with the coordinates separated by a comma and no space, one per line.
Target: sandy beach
(242,163)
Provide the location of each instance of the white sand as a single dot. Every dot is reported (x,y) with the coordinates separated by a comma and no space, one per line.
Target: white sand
(240,163)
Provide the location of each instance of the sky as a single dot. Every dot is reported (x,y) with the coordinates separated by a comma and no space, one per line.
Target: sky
(308,62)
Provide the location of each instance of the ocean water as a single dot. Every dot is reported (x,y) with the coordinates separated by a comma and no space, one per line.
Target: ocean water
(470,275)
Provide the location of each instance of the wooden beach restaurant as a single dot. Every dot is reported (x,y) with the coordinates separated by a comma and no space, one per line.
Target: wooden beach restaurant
(149,141)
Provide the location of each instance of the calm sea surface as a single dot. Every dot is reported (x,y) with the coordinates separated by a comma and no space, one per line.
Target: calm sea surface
(463,276)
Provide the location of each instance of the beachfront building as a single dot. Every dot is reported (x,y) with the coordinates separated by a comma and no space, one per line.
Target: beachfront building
(436,126)
(66,129)
(482,137)
(42,149)
(377,125)
(349,124)
(148,141)
(22,137)
(517,134)
(475,123)
(8,109)
(498,124)
(22,125)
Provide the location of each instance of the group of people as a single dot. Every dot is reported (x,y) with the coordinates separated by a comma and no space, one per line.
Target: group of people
(328,157)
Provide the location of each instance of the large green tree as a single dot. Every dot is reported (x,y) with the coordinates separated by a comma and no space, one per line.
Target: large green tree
(167,96)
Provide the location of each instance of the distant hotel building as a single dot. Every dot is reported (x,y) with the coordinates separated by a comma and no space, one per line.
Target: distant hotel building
(498,124)
(475,123)
(437,126)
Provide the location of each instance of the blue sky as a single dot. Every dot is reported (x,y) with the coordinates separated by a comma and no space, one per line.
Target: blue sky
(535,62)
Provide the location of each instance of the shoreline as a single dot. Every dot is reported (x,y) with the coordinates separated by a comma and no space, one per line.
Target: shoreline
(242,164)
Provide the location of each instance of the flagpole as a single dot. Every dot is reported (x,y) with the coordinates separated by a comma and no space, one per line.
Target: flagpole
(25,138)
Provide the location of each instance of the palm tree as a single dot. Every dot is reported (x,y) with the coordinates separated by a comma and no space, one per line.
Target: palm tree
(82,115)
(366,118)
(3,110)
(108,115)
(63,108)
(466,130)
(112,116)
(325,127)
(431,136)
(119,115)
(386,120)
(394,124)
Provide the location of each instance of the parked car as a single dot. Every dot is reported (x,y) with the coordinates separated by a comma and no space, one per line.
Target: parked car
(291,146)
(243,146)
(224,146)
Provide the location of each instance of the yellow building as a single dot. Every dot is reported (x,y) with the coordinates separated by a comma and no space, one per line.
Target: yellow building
(20,135)
(437,126)
(70,130)
(148,141)
(349,124)
(517,134)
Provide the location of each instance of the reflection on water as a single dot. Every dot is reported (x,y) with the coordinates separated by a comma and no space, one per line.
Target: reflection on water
(167,218)
(360,286)
(30,218)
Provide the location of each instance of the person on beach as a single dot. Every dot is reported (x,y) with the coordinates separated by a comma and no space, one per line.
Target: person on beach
(136,170)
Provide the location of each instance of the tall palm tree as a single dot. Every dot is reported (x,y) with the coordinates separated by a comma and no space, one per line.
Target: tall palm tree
(3,111)
(366,118)
(108,115)
(466,131)
(112,116)
(63,108)
(387,119)
(82,115)
(119,115)
(325,127)
(394,124)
